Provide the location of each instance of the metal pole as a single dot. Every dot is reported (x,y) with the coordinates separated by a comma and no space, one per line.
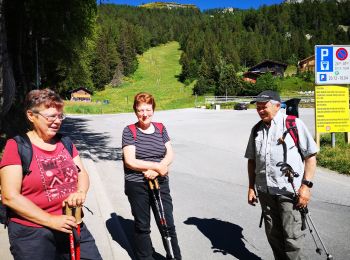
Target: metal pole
(333,140)
(347,137)
(36,64)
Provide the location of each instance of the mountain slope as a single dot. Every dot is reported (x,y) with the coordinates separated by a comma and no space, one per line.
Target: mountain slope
(157,74)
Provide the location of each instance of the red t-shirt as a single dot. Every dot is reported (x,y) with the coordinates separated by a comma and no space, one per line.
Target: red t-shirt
(54,176)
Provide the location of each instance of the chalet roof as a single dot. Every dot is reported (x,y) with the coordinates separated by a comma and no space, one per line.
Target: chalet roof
(307,59)
(81,88)
(268,61)
(252,73)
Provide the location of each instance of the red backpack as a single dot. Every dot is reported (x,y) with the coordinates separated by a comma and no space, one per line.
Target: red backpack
(292,129)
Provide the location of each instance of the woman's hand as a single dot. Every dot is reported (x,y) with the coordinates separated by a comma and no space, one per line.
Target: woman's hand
(150,174)
(75,199)
(162,169)
(62,223)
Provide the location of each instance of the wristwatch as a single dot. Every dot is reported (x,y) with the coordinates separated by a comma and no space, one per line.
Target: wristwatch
(308,183)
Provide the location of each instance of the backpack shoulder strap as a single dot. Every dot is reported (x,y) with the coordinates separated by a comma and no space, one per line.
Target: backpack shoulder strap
(25,151)
(67,142)
(159,126)
(292,128)
(132,128)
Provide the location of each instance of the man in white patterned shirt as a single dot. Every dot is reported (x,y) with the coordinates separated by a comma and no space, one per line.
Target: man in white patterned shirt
(280,211)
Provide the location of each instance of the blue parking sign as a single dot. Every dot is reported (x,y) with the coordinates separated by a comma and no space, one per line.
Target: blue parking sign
(324,59)
(323,77)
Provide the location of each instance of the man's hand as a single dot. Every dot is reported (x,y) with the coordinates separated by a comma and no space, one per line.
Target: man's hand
(304,196)
(252,199)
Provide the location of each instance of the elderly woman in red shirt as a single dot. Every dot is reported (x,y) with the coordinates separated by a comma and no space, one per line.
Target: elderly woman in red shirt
(37,228)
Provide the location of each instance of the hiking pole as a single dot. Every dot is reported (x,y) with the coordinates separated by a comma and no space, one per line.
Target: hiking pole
(69,212)
(74,238)
(161,214)
(313,227)
(77,215)
(288,171)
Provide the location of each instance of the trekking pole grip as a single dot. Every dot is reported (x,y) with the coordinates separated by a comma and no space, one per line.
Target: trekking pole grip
(77,214)
(68,211)
(156,184)
(150,184)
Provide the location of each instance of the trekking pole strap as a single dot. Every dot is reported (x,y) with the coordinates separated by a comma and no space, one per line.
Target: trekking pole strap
(261,219)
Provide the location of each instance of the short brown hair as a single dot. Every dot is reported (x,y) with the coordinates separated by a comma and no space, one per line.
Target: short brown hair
(38,97)
(144,97)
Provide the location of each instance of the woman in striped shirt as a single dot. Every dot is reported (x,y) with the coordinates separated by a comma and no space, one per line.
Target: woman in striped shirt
(147,155)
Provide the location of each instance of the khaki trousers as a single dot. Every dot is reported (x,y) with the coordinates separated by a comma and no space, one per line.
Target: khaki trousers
(282,226)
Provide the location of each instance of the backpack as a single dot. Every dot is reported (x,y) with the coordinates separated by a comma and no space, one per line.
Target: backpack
(133,130)
(292,129)
(25,151)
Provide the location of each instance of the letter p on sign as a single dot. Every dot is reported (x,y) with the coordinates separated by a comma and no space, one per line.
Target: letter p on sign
(324,53)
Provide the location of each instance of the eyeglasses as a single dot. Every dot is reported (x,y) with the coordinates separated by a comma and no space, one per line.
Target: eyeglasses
(51,118)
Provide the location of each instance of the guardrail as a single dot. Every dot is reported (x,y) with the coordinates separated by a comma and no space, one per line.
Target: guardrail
(247,99)
(226,99)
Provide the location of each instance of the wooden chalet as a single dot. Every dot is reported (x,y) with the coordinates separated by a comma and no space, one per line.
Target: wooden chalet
(274,67)
(250,76)
(307,64)
(81,94)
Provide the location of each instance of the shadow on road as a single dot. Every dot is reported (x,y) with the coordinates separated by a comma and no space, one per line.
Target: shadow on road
(115,226)
(126,242)
(225,237)
(86,140)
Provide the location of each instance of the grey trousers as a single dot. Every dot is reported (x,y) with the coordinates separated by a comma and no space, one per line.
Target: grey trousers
(282,226)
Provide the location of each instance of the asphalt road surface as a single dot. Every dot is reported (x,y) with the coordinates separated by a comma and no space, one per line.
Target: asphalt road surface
(208,181)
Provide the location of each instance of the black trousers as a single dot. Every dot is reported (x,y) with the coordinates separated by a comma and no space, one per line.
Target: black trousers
(141,200)
(31,243)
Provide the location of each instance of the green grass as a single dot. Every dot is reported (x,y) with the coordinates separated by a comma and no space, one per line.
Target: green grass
(290,70)
(157,74)
(337,158)
(290,86)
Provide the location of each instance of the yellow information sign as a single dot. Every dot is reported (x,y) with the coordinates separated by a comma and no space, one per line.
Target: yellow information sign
(332,109)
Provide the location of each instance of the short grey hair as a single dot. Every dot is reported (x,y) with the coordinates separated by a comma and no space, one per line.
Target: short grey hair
(275,102)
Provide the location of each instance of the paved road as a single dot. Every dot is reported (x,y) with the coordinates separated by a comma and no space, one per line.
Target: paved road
(209,184)
(209,187)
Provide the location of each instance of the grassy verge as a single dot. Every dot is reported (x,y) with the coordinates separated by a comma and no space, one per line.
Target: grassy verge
(157,73)
(290,86)
(337,158)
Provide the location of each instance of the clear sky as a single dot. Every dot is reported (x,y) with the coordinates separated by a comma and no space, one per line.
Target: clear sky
(204,4)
